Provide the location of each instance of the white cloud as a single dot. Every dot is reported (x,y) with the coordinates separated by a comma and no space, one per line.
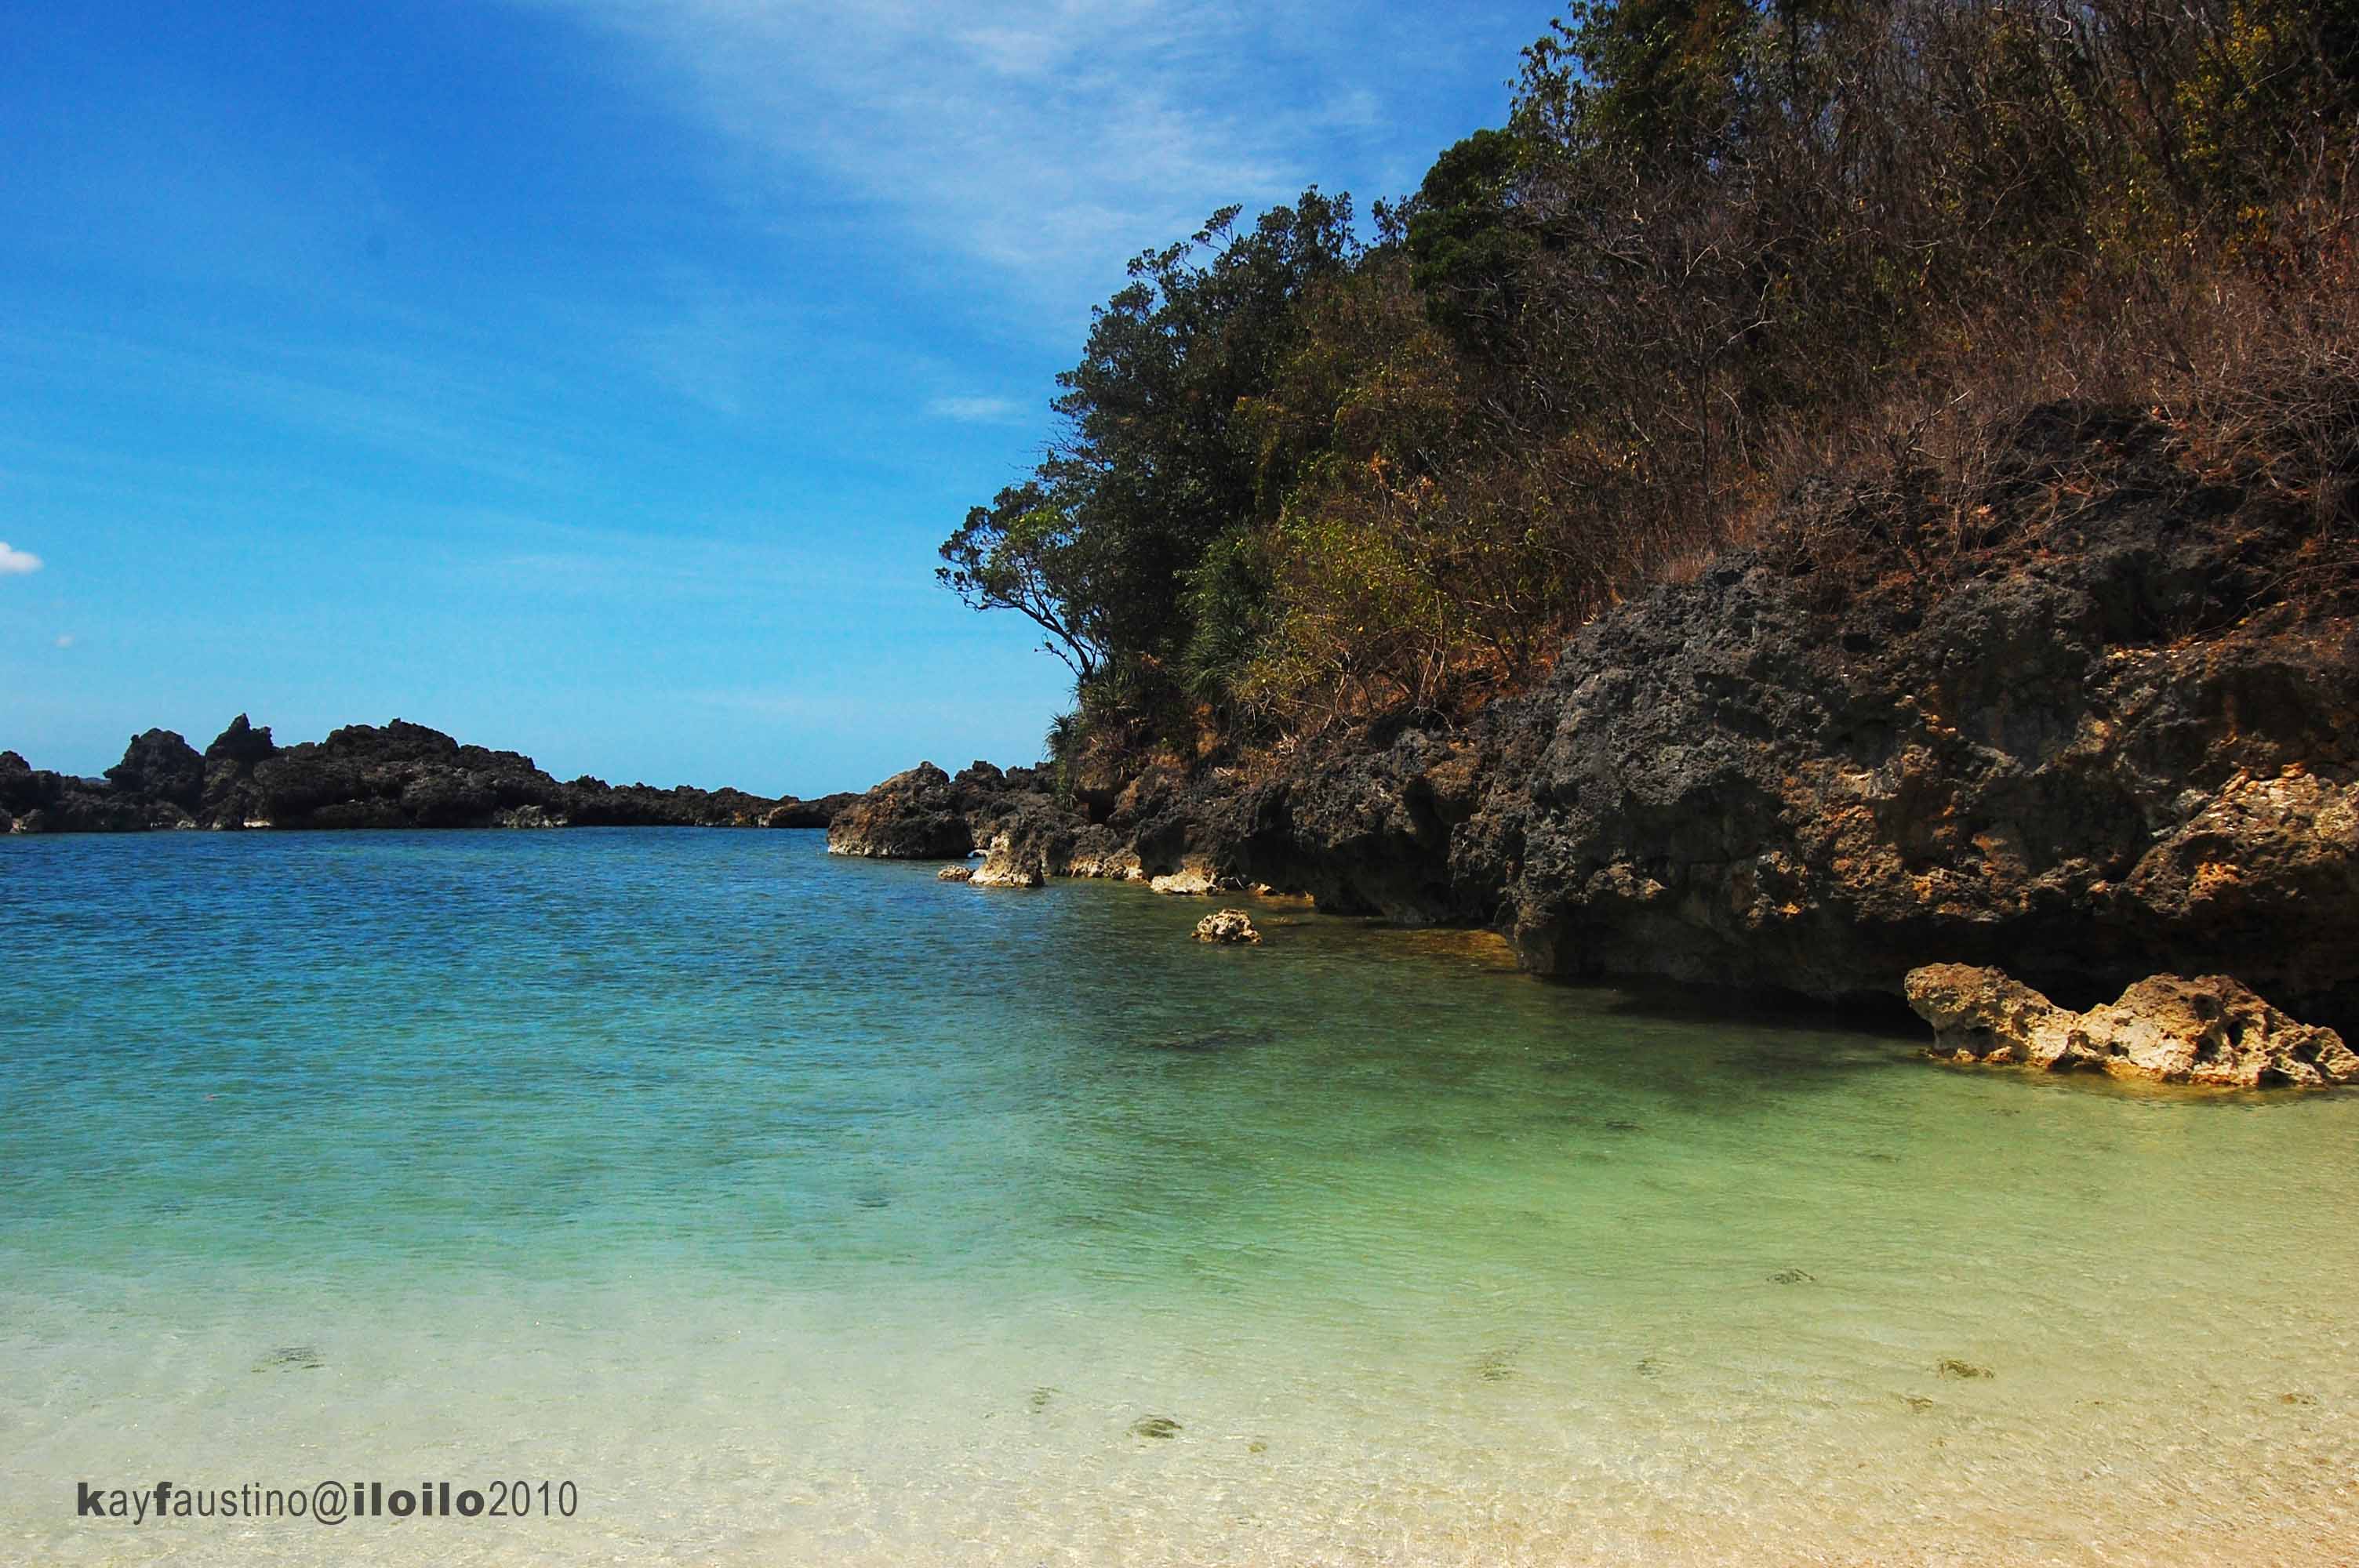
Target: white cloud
(977,410)
(66,640)
(1048,140)
(16,563)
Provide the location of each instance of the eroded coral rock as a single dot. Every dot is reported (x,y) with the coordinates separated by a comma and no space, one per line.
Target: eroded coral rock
(2207,1030)
(1227,925)
(1010,864)
(960,872)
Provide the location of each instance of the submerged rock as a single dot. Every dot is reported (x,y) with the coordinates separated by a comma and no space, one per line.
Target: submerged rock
(2209,1029)
(1154,1426)
(1227,925)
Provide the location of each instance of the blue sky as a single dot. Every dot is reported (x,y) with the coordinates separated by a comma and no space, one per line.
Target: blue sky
(597,377)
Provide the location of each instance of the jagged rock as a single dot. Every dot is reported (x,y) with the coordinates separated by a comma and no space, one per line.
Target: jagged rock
(1227,925)
(163,768)
(1189,882)
(241,745)
(961,872)
(2209,1029)
(528,816)
(913,816)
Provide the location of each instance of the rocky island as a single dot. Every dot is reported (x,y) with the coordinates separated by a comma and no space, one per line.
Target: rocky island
(398,775)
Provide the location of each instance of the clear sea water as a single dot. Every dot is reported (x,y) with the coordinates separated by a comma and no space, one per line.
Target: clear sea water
(806,1210)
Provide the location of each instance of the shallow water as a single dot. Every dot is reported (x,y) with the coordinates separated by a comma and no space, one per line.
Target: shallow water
(799,1209)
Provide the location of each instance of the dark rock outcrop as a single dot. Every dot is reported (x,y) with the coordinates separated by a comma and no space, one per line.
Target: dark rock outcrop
(926,814)
(162,767)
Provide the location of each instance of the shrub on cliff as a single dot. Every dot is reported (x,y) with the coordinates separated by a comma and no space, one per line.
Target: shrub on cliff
(1718,246)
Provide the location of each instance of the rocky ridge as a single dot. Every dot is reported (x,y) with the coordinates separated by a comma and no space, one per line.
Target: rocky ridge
(400,775)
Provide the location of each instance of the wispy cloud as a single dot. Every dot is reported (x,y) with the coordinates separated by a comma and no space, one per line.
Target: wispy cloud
(977,410)
(14,562)
(66,640)
(1045,139)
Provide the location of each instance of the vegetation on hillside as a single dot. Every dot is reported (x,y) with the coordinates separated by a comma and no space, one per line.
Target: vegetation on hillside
(1717,247)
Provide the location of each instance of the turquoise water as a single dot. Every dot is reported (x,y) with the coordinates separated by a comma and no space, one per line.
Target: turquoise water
(804,1209)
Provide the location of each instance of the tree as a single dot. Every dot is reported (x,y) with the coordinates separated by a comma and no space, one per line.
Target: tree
(1023,553)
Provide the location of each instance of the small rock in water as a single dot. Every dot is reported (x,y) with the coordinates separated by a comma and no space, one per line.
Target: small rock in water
(1040,1398)
(1793,1277)
(298,1357)
(1227,925)
(1918,1403)
(2296,1399)
(1496,1367)
(1951,1367)
(1650,1367)
(1154,1426)
(955,874)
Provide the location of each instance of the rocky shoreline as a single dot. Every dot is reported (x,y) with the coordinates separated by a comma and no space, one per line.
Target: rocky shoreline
(400,775)
(2089,723)
(2097,720)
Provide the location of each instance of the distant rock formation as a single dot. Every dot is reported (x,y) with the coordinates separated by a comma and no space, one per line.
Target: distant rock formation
(2210,1029)
(400,775)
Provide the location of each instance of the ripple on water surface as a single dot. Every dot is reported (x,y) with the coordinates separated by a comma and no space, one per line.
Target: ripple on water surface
(802,1208)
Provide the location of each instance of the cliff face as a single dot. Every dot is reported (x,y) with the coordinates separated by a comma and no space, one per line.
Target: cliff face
(401,775)
(2099,718)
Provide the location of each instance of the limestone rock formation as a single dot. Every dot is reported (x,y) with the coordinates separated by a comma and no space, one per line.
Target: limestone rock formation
(2209,1029)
